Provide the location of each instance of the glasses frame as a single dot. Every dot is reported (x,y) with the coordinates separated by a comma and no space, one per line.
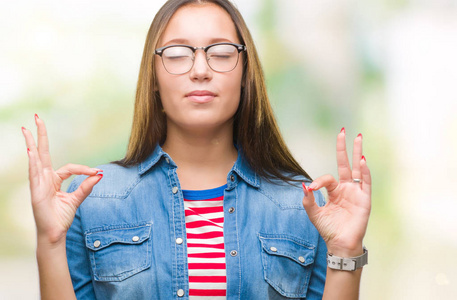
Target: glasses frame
(240,48)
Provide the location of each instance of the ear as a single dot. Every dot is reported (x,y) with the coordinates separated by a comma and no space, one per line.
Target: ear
(155,86)
(157,96)
(245,71)
(243,80)
(155,81)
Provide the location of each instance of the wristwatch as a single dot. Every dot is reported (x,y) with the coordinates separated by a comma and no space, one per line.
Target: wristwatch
(347,263)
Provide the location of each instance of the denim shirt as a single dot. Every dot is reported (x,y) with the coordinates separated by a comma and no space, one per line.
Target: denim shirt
(128,238)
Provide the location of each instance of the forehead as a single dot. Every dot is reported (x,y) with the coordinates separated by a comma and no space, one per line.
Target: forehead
(199,25)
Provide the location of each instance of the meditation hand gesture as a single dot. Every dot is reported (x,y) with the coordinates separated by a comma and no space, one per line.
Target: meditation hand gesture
(53,209)
(342,222)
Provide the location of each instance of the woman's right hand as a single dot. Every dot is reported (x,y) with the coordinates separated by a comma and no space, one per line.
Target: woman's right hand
(53,209)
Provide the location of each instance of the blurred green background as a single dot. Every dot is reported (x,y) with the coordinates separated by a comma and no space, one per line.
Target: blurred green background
(384,68)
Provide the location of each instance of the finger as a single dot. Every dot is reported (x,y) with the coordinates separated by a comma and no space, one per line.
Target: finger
(366,176)
(74,169)
(356,157)
(85,188)
(344,169)
(309,203)
(327,181)
(34,177)
(43,144)
(35,167)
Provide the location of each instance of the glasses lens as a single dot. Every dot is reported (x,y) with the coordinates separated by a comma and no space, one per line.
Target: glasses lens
(222,58)
(177,60)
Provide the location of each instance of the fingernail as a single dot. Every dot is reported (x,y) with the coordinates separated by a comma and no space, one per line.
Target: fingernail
(28,151)
(97,170)
(101,176)
(305,190)
(23,128)
(343,130)
(360,135)
(312,186)
(36,117)
(363,157)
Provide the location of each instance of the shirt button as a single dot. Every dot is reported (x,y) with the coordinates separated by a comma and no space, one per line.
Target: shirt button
(180,292)
(97,244)
(167,160)
(273,249)
(232,178)
(301,259)
(175,189)
(233,253)
(231,209)
(179,241)
(135,238)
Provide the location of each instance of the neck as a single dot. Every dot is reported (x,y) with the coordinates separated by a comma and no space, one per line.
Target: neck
(203,158)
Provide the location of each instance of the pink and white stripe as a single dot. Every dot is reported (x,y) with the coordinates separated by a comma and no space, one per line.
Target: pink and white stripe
(205,248)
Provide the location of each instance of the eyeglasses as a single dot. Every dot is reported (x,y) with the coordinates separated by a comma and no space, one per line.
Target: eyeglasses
(179,59)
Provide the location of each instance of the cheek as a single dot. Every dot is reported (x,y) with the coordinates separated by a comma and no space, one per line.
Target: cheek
(235,87)
(166,86)
(164,80)
(167,98)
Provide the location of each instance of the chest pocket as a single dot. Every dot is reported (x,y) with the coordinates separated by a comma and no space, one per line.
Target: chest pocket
(287,264)
(117,253)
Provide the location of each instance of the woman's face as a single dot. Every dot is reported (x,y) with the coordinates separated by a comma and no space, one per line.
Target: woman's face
(200,99)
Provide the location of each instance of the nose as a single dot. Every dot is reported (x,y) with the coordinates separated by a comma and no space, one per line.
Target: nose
(200,70)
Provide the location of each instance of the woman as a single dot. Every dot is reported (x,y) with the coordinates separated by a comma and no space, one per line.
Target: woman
(207,201)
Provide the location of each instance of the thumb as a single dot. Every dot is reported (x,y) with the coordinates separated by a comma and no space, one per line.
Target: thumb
(85,188)
(309,203)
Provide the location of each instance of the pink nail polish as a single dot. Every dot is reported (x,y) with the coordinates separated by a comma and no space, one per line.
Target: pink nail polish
(101,176)
(360,135)
(28,151)
(363,157)
(305,190)
(23,128)
(36,117)
(343,130)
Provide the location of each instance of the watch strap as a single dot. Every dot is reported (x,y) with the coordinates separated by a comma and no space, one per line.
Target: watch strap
(347,263)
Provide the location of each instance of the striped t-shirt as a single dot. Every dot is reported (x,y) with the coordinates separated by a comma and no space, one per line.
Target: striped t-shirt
(204,213)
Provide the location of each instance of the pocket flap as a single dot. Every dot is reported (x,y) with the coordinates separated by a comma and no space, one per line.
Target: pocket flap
(101,238)
(299,251)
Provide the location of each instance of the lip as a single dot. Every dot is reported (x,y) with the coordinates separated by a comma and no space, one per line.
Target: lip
(201,96)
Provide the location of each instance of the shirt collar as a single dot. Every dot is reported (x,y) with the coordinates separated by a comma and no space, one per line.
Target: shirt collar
(241,166)
(151,160)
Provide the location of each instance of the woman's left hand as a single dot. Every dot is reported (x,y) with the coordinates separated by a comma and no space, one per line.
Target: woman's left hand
(343,221)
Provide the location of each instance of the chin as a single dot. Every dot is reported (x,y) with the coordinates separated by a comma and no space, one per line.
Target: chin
(204,125)
(209,124)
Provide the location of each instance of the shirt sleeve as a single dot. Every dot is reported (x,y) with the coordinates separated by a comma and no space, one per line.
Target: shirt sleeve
(318,276)
(77,255)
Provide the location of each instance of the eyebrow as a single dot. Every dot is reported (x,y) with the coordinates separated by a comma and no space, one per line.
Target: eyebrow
(180,41)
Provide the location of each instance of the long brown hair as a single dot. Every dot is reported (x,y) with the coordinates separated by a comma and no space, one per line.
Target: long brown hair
(255,127)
